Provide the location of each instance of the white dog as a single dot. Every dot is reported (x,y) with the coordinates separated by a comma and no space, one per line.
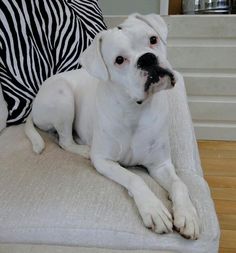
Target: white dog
(117,106)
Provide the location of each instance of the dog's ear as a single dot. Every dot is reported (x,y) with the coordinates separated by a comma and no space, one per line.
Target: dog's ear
(156,22)
(92,60)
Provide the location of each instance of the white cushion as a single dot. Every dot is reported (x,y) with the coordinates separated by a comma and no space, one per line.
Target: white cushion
(58,198)
(19,248)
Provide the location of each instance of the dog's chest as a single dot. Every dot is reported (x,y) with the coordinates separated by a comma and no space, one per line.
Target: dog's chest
(145,140)
(130,135)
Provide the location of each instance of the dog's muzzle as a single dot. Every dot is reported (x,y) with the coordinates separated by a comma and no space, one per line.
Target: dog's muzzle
(149,63)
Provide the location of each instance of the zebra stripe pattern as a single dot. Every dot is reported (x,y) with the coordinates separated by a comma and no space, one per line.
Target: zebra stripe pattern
(39,38)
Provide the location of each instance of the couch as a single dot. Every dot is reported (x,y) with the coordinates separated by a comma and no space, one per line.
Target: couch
(57,202)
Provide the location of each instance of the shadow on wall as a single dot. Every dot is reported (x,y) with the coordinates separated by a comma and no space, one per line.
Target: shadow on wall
(126,7)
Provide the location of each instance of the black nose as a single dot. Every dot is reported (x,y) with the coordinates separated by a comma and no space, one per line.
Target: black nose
(147,60)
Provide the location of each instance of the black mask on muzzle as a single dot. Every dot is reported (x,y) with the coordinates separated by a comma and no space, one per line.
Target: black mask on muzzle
(149,63)
(154,74)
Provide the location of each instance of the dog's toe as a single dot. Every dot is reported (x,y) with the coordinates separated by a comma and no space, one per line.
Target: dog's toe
(156,217)
(186,222)
(38,147)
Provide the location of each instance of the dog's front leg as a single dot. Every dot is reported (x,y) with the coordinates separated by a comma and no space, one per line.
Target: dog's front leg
(185,215)
(153,212)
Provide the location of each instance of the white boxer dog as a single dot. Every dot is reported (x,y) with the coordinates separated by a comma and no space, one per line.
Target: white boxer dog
(117,106)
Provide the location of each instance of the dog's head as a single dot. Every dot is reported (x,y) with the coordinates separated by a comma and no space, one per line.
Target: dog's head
(132,57)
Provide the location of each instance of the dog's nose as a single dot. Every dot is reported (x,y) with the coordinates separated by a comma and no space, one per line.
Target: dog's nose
(147,60)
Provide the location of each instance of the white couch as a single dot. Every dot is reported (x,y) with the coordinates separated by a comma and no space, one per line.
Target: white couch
(57,198)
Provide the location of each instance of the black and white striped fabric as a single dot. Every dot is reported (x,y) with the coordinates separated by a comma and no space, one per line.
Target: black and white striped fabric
(39,38)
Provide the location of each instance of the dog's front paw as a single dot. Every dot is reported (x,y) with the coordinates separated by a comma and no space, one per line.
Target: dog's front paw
(186,221)
(155,215)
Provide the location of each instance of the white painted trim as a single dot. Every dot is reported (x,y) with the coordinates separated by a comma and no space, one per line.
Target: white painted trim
(164,7)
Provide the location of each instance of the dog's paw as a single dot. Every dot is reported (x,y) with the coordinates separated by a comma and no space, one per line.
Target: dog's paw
(186,221)
(38,146)
(82,150)
(155,215)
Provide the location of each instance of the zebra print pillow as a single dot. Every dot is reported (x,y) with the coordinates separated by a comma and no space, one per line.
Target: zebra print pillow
(39,38)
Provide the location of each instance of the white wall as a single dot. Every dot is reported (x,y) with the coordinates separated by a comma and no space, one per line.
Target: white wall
(126,7)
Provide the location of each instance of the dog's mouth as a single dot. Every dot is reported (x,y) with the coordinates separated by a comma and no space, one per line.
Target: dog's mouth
(155,80)
(155,74)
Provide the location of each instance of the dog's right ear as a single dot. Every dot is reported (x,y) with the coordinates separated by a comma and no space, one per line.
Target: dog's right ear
(156,22)
(92,59)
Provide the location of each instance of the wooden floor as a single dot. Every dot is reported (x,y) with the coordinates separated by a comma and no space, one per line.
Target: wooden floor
(219,165)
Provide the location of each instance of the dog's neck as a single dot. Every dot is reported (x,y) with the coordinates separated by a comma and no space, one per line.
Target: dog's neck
(123,107)
(111,96)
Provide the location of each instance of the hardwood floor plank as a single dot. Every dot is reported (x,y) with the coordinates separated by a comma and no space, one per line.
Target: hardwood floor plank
(220,167)
(221,181)
(227,221)
(228,239)
(225,207)
(223,193)
(225,250)
(218,154)
(217,145)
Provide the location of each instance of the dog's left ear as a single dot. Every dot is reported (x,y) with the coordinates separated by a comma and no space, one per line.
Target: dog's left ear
(156,22)
(92,59)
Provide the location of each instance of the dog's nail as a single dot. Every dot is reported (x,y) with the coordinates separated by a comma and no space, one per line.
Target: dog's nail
(186,236)
(176,229)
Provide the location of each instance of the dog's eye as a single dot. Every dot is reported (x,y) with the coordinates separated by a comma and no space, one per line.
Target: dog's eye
(153,40)
(120,60)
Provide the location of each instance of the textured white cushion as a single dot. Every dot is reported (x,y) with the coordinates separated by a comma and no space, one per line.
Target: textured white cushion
(3,110)
(58,198)
(17,248)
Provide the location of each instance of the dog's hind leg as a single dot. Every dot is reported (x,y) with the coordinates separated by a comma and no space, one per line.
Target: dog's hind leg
(54,108)
(66,141)
(64,124)
(33,135)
